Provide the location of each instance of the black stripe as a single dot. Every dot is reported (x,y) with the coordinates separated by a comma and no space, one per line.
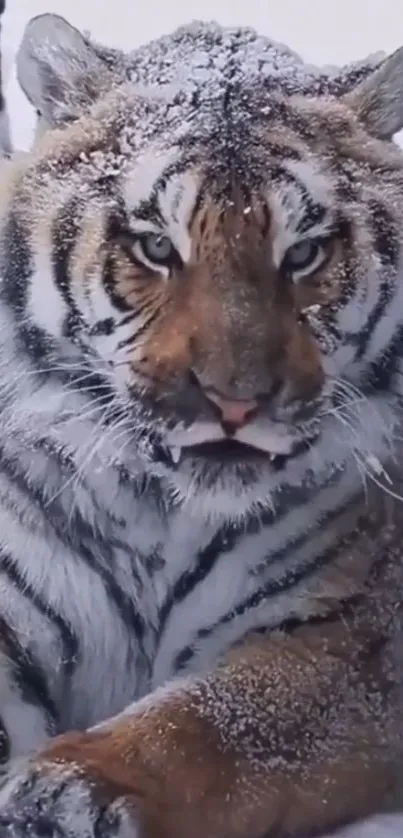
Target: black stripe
(363,337)
(99,557)
(138,333)
(287,498)
(28,675)
(202,191)
(379,375)
(77,537)
(109,283)
(16,270)
(5,745)
(125,607)
(273,588)
(65,230)
(127,319)
(297,542)
(177,167)
(386,246)
(54,454)
(384,233)
(70,641)
(103,327)
(225,540)
(269,559)
(346,234)
(314,212)
(344,609)
(290,579)
(149,209)
(287,626)
(183,658)
(17,263)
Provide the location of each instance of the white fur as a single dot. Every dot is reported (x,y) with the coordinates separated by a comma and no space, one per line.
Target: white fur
(176,203)
(46,306)
(138,184)
(288,206)
(73,807)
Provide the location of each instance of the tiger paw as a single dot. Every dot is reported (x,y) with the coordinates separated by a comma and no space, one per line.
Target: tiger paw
(53,801)
(234,753)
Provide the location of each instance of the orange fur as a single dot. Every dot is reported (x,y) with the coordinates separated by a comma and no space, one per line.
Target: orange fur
(295,734)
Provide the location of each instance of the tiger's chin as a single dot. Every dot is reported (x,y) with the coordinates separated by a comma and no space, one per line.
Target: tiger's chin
(230,452)
(226,478)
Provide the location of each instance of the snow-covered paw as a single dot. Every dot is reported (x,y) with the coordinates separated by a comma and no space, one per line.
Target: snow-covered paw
(55,802)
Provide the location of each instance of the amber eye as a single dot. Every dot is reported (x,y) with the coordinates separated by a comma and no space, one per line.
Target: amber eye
(304,258)
(157,249)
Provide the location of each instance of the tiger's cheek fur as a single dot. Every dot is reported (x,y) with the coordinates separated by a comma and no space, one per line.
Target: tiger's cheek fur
(193,332)
(223,321)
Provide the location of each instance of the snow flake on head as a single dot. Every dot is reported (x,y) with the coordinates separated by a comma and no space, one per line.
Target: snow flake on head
(201,58)
(205,80)
(203,90)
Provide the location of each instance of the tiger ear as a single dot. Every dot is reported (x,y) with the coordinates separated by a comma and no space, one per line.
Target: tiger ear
(378,100)
(58,69)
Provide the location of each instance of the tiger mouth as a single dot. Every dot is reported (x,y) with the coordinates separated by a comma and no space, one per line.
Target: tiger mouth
(232,451)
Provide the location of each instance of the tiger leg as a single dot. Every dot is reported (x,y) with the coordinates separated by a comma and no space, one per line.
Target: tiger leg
(294,735)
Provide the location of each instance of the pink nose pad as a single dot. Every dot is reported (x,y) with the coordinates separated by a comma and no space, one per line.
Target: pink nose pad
(236,413)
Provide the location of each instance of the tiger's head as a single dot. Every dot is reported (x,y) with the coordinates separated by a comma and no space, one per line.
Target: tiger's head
(229,262)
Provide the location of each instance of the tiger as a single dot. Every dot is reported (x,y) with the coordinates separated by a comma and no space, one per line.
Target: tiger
(5,133)
(200,470)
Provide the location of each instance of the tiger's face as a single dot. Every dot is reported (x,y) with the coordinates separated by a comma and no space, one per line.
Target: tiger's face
(220,266)
(211,330)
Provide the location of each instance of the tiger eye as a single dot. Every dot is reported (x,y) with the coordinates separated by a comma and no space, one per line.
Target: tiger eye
(157,248)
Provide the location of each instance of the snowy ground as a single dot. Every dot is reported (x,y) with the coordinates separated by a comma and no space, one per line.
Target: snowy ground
(323,33)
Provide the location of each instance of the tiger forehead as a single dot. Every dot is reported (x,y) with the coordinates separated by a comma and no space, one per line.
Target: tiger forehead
(160,181)
(257,227)
(193,207)
(218,223)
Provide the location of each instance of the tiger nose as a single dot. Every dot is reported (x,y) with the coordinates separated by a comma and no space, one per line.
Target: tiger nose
(234,413)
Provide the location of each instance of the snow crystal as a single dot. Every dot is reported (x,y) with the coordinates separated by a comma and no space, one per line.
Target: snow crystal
(203,57)
(209,85)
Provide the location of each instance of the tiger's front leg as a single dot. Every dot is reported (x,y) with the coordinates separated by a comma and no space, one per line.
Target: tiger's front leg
(291,736)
